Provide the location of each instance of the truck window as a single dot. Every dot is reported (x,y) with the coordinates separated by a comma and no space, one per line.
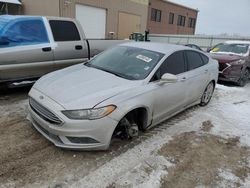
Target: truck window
(23,32)
(64,30)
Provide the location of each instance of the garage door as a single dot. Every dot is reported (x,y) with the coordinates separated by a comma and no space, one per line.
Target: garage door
(93,21)
(128,24)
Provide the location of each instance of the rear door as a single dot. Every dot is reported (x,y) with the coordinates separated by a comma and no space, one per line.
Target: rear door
(197,75)
(27,52)
(69,45)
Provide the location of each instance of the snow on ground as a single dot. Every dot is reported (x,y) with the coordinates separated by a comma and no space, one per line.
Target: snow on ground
(140,165)
(229,111)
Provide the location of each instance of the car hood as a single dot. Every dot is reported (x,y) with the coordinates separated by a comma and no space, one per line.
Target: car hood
(81,87)
(225,58)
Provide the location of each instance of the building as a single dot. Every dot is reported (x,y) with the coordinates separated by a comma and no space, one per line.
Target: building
(165,17)
(99,18)
(113,18)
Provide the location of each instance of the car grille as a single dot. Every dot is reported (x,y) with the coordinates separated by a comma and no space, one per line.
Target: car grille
(223,66)
(44,113)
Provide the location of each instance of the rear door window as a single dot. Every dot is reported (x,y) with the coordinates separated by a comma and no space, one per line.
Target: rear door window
(64,31)
(204,58)
(24,32)
(194,60)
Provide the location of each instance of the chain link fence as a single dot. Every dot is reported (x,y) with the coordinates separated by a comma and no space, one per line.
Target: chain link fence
(201,40)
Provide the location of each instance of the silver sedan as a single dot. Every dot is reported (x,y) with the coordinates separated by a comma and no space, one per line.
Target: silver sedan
(124,90)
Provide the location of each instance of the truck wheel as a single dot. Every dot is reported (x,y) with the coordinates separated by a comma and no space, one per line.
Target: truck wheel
(207,95)
(245,77)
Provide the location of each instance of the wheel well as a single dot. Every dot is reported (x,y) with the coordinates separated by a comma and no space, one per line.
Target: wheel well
(139,116)
(213,81)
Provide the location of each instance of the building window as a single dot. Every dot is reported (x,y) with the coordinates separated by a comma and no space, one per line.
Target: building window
(181,20)
(155,15)
(171,18)
(191,22)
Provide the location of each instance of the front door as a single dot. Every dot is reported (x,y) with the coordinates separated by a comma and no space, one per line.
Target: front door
(170,97)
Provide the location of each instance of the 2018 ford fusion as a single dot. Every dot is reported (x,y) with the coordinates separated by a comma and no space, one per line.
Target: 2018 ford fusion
(125,89)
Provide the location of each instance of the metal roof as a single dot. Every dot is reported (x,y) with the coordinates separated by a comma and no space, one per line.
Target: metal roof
(11,1)
(180,5)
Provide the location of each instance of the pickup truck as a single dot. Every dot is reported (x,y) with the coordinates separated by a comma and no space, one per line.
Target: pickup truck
(31,46)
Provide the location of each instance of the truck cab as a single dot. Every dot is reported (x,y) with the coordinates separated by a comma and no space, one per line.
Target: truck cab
(31,46)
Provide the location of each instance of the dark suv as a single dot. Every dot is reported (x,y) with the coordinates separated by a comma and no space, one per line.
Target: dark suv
(234,61)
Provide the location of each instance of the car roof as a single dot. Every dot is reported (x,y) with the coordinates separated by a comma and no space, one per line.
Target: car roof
(164,48)
(237,42)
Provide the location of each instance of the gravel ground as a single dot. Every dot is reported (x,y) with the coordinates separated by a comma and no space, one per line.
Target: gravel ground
(199,147)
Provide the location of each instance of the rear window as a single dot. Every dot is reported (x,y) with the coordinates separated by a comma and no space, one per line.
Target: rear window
(64,30)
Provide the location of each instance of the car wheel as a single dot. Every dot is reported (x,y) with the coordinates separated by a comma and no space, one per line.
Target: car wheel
(245,77)
(207,95)
(127,129)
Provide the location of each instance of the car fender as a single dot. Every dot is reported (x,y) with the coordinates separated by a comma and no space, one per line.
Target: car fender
(128,105)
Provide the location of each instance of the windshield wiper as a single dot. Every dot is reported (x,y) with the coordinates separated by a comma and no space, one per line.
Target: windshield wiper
(87,63)
(114,73)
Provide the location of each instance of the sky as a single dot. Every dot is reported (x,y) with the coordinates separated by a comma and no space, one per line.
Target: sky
(221,16)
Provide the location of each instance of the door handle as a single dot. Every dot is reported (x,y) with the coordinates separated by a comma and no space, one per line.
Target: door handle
(78,47)
(206,71)
(46,49)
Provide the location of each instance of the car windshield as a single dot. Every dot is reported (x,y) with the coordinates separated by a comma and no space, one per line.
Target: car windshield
(127,62)
(231,48)
(3,22)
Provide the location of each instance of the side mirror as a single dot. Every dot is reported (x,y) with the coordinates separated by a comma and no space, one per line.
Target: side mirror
(169,78)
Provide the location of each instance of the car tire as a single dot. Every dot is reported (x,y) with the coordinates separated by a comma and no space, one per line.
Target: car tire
(245,77)
(207,95)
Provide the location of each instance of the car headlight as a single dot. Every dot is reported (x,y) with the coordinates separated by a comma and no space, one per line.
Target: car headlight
(89,114)
(238,62)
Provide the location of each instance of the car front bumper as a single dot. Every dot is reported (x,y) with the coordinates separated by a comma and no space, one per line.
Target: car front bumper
(228,78)
(230,73)
(72,134)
